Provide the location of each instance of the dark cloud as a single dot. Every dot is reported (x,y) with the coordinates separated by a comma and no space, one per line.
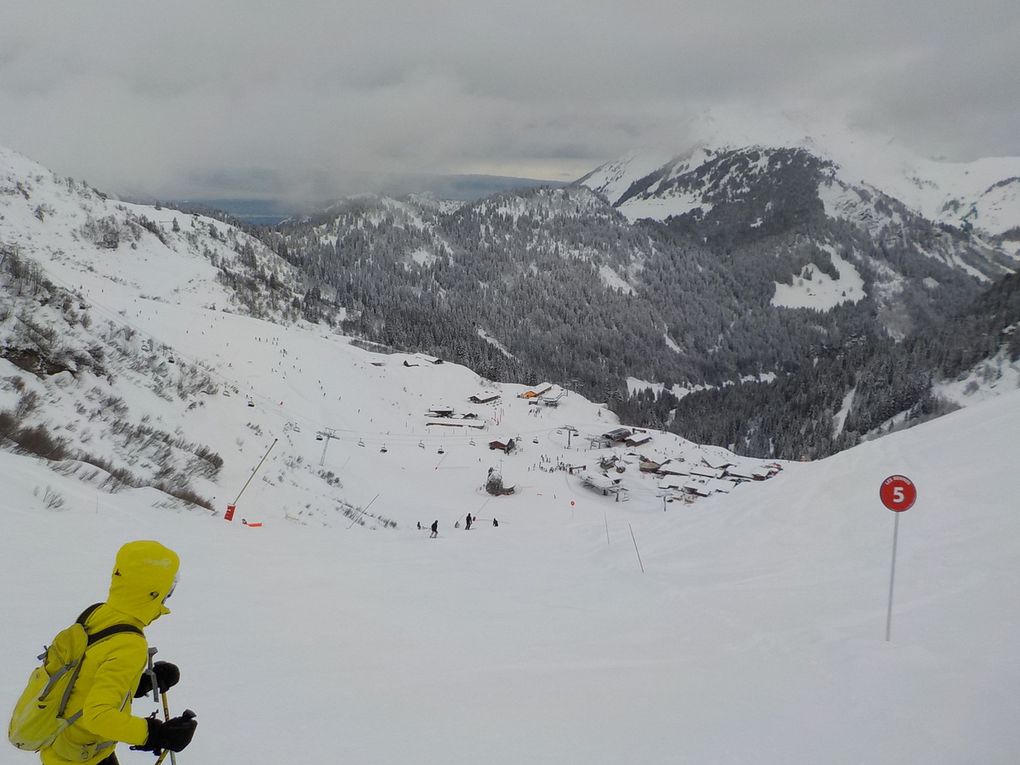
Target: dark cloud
(303,97)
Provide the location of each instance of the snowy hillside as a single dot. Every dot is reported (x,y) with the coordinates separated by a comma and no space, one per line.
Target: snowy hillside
(86,240)
(755,633)
(642,599)
(121,362)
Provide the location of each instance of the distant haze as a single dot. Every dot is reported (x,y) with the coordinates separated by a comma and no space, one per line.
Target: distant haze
(268,210)
(302,100)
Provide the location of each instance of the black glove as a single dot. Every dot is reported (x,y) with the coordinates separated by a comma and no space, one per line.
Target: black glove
(174,734)
(167,676)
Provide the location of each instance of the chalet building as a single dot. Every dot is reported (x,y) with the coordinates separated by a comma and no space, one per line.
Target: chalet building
(536,391)
(717,462)
(601,482)
(697,489)
(749,472)
(705,487)
(674,467)
(637,439)
(484,397)
(618,435)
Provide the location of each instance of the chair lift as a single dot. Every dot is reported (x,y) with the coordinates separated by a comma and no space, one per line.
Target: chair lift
(384,449)
(251,403)
(440,450)
(421,444)
(361,442)
(318,436)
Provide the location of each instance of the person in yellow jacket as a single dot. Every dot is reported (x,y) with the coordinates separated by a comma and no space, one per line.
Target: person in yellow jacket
(143,578)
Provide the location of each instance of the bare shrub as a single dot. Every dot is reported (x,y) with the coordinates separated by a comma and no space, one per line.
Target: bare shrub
(53,500)
(35,440)
(184,492)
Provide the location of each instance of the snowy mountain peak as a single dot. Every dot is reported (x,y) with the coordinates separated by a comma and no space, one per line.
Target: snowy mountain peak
(983,194)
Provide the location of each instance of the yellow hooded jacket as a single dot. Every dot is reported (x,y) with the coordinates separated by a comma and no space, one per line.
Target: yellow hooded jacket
(142,578)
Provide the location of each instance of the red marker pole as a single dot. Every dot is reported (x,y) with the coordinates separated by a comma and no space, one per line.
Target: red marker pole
(898,494)
(229,515)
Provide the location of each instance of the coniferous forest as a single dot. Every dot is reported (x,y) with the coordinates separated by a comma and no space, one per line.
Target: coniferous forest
(557,285)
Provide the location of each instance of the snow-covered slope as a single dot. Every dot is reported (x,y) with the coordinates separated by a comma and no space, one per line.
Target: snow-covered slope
(612,179)
(590,626)
(755,633)
(86,241)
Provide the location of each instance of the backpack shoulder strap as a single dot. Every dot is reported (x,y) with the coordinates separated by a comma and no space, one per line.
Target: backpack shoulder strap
(104,633)
(96,637)
(87,613)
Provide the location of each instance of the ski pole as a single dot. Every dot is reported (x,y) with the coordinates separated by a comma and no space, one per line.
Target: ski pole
(166,718)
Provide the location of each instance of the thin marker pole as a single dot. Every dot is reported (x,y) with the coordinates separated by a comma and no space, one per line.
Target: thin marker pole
(362,512)
(255,470)
(892,577)
(635,548)
(606,519)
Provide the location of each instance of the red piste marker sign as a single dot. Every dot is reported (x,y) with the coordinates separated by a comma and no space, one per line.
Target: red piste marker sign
(898,493)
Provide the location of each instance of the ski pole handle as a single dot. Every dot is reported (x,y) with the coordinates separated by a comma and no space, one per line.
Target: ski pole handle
(151,672)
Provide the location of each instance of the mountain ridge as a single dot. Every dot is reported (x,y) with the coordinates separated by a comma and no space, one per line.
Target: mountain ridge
(557,284)
(983,194)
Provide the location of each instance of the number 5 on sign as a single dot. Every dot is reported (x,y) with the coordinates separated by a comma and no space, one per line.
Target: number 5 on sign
(898,493)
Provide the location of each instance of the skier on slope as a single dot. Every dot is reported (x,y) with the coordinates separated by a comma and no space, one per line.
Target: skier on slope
(435,530)
(467,522)
(111,673)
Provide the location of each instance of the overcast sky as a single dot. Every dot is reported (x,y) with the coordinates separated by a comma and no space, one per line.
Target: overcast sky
(242,97)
